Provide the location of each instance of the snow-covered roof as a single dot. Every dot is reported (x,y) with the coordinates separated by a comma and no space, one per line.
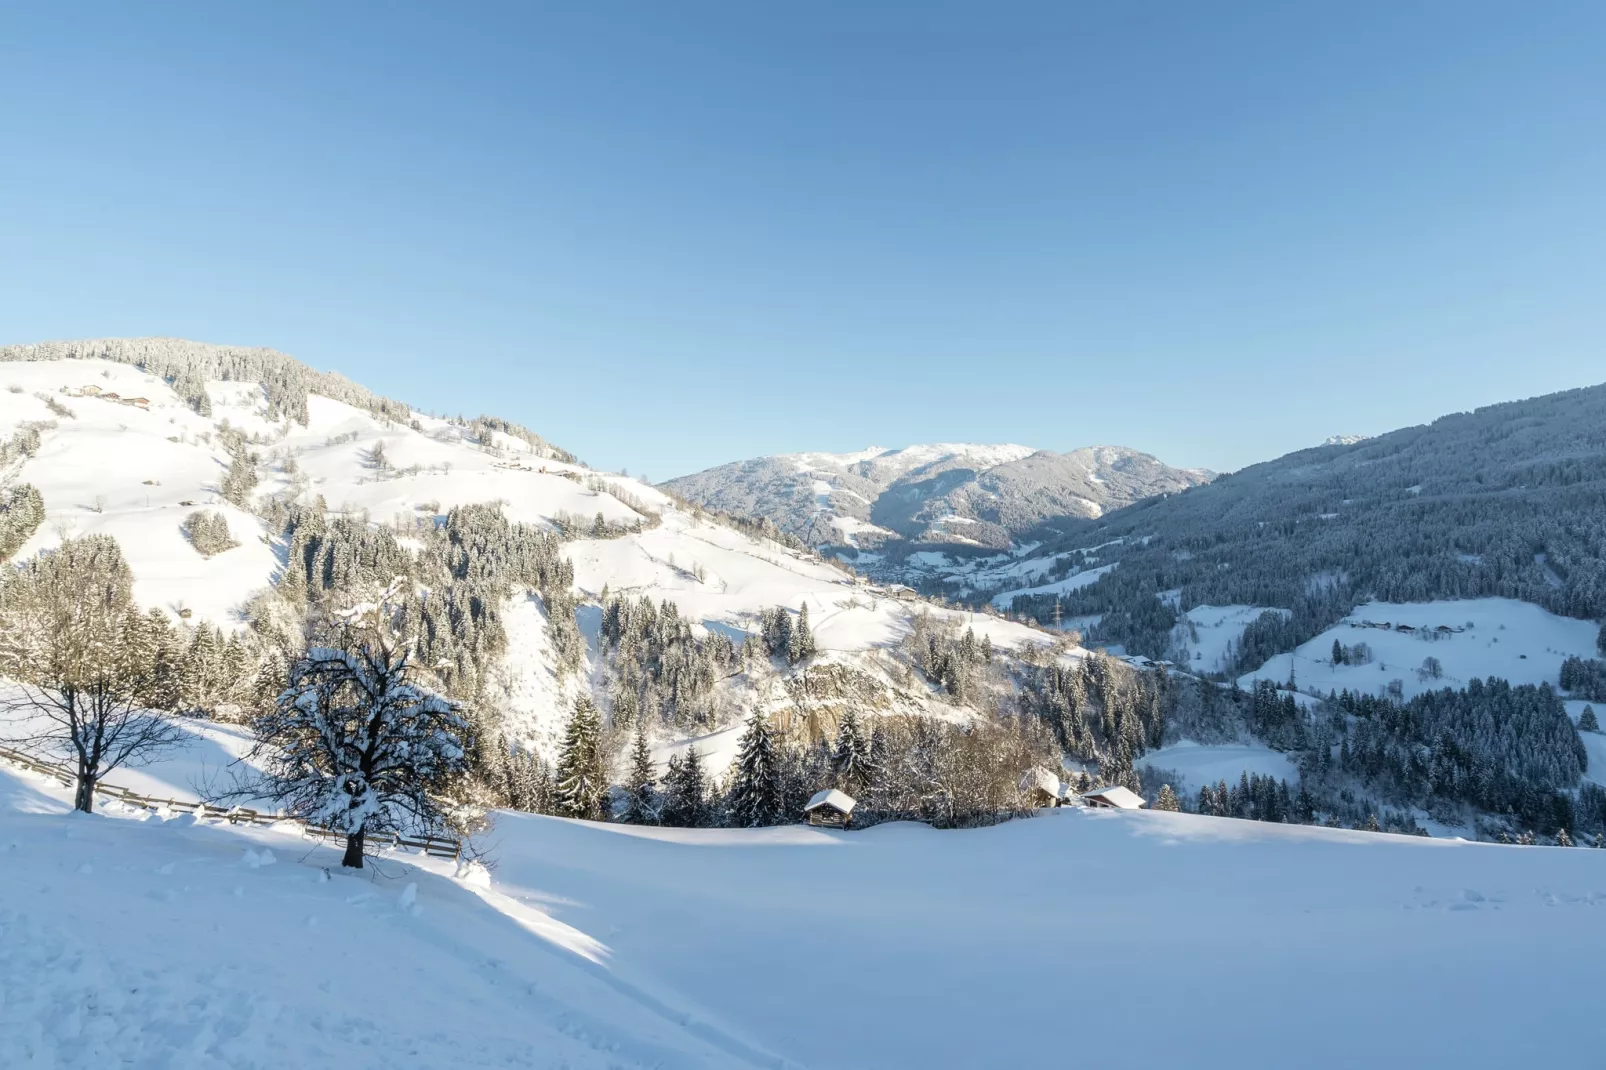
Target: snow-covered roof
(1117,796)
(1040,778)
(836,800)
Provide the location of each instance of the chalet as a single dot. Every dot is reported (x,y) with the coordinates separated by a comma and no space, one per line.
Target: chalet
(830,809)
(111,396)
(903,593)
(90,391)
(1039,787)
(1404,628)
(1115,798)
(138,403)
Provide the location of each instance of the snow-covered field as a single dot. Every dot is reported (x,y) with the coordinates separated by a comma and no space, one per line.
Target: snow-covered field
(1206,636)
(1487,637)
(1201,764)
(1073,582)
(1124,940)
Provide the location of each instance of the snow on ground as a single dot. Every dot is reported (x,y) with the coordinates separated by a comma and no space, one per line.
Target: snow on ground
(1218,629)
(1201,764)
(1076,935)
(135,474)
(1497,637)
(1073,582)
(127,942)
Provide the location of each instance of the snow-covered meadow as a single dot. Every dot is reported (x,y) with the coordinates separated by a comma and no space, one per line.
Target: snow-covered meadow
(1118,939)
(1471,638)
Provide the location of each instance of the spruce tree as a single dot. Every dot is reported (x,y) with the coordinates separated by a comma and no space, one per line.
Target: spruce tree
(850,757)
(582,783)
(640,790)
(1587,722)
(801,646)
(1167,799)
(756,790)
(686,791)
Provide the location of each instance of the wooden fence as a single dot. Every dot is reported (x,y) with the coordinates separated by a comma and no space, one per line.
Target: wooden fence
(436,846)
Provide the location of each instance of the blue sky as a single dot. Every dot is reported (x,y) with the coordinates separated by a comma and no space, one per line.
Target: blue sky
(671,235)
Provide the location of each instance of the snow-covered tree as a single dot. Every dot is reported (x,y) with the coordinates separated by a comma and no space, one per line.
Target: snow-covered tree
(686,791)
(359,742)
(1167,799)
(22,510)
(69,639)
(1587,721)
(801,643)
(850,757)
(641,792)
(582,776)
(756,795)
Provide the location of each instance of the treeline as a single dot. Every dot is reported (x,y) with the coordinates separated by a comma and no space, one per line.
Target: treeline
(1585,678)
(467,570)
(901,768)
(657,670)
(22,510)
(1100,711)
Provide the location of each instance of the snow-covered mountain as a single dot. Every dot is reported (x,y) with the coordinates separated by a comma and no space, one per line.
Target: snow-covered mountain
(957,493)
(131,438)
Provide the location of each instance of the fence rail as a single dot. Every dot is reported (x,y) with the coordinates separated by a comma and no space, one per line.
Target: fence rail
(435,846)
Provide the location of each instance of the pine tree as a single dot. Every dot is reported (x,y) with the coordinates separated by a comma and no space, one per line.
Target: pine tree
(1587,722)
(1338,653)
(1167,799)
(582,783)
(756,790)
(640,789)
(686,791)
(850,757)
(801,645)
(1562,839)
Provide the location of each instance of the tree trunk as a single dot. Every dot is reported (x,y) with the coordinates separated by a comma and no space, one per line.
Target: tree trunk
(353,857)
(84,795)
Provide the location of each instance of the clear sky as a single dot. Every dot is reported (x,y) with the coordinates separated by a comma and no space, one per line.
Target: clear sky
(668,235)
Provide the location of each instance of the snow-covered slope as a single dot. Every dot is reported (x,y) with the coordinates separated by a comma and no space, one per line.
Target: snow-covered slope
(1079,935)
(137,471)
(1471,639)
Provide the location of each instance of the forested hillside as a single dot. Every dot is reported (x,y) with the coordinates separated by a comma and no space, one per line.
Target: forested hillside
(1508,501)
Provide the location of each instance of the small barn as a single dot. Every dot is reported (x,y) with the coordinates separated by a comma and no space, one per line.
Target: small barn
(830,809)
(1115,798)
(1039,787)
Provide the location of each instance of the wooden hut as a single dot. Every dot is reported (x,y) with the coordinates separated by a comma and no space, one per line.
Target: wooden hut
(1115,798)
(831,809)
(1039,787)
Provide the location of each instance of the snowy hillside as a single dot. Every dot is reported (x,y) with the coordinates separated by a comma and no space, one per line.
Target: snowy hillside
(1426,646)
(129,938)
(960,493)
(121,453)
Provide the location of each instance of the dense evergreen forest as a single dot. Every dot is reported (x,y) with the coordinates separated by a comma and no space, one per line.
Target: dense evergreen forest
(1506,501)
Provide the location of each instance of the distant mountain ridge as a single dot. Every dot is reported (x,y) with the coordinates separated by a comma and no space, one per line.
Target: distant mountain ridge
(964,493)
